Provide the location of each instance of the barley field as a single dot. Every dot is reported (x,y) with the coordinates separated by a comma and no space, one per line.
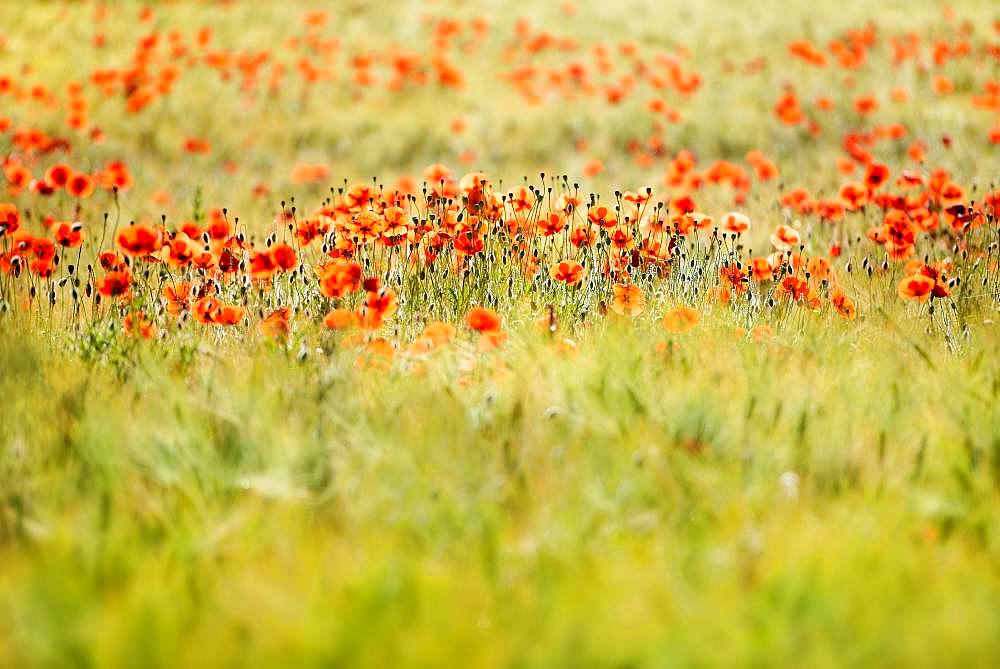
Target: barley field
(468,333)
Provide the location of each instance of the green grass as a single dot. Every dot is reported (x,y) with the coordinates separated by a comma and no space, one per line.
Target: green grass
(257,510)
(607,494)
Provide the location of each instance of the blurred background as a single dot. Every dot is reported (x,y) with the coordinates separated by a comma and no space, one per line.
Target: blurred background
(249,102)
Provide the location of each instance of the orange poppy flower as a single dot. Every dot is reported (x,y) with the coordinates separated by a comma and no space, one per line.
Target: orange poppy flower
(139,324)
(934,272)
(339,278)
(340,319)
(761,269)
(365,227)
(191,229)
(622,240)
(490,340)
(797,199)
(592,168)
(381,302)
(899,250)
(305,173)
(206,309)
(735,222)
(793,287)
(439,332)
(629,300)
(582,236)
(918,287)
(951,194)
(469,243)
(219,230)
(681,319)
(275,325)
(397,228)
(18,177)
(552,223)
(602,215)
(43,249)
(830,210)
(436,173)
(377,354)
(229,314)
(179,251)
(176,296)
(734,276)
(197,145)
(787,109)
(843,304)
(818,268)
(310,229)
(690,221)
(569,272)
(785,237)
(854,195)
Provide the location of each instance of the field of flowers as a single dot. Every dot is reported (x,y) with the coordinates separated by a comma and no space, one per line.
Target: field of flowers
(480,333)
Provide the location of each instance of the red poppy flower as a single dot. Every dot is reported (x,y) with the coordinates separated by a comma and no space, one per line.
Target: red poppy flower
(10,219)
(114,284)
(284,257)
(917,288)
(58,175)
(482,320)
(80,185)
(69,235)
(139,240)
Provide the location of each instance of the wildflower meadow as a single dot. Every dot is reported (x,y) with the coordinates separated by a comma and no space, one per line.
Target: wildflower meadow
(466,333)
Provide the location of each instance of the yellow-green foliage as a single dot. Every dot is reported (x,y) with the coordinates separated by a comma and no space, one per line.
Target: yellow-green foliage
(778,486)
